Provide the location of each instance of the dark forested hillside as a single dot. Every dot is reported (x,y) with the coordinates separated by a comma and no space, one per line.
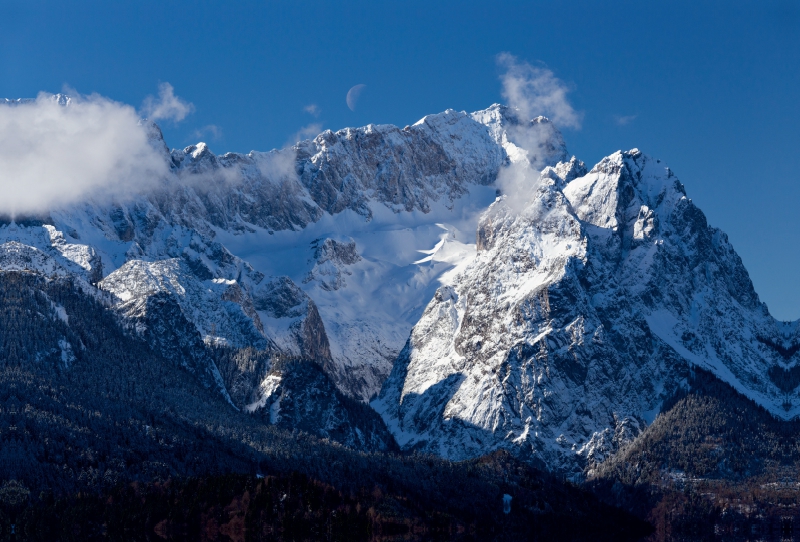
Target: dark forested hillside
(296,507)
(712,462)
(707,431)
(88,407)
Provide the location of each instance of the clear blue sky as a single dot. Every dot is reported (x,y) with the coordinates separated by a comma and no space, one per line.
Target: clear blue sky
(709,87)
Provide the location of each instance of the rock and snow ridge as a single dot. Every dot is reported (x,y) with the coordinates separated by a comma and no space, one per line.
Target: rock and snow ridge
(290,250)
(579,316)
(557,330)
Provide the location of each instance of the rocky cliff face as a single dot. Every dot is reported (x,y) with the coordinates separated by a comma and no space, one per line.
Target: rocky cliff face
(292,317)
(581,314)
(298,395)
(405,169)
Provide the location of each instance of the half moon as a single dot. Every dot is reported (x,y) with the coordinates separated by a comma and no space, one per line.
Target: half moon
(352,96)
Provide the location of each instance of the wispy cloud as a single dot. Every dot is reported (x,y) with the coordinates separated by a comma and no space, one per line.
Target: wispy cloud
(624,120)
(210,130)
(306,132)
(166,106)
(535,90)
(532,91)
(312,109)
(52,154)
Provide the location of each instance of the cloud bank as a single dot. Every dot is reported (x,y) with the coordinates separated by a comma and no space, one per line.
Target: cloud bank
(55,152)
(535,91)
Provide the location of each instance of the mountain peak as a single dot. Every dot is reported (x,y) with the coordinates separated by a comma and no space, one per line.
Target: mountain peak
(582,312)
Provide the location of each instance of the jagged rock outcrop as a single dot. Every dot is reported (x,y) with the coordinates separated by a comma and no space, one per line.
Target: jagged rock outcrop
(298,395)
(331,260)
(406,169)
(221,310)
(292,318)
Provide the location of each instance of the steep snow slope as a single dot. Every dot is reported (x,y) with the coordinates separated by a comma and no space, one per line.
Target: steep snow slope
(370,297)
(580,314)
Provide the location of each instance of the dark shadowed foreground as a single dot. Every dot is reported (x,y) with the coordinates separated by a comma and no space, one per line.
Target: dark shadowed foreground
(103,437)
(295,507)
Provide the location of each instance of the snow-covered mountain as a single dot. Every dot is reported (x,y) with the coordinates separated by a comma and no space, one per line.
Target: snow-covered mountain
(583,311)
(551,310)
(217,228)
(291,250)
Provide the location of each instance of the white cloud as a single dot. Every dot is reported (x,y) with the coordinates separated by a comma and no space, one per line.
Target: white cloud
(531,91)
(306,132)
(167,106)
(211,130)
(278,165)
(53,155)
(535,91)
(518,181)
(623,120)
(312,109)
